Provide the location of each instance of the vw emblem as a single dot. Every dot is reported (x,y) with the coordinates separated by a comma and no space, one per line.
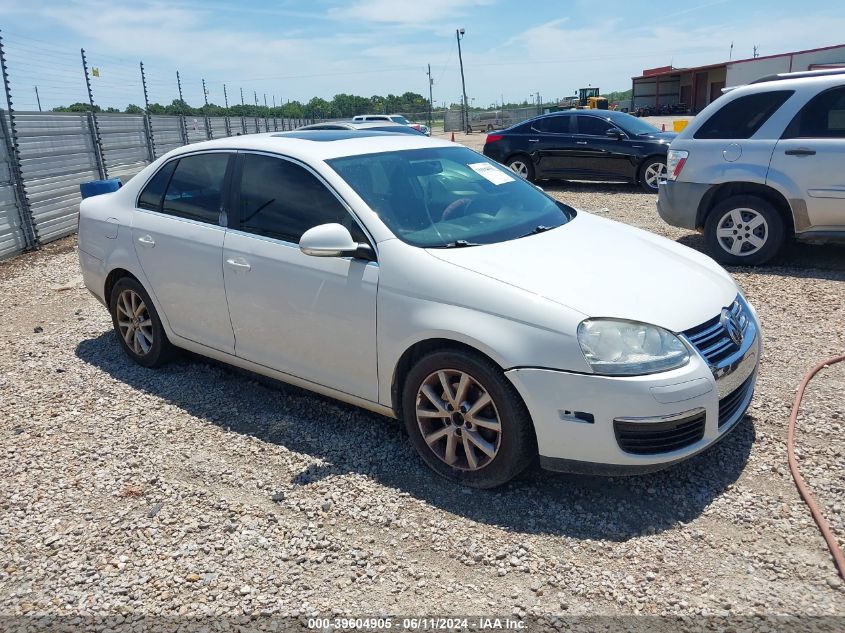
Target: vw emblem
(731,324)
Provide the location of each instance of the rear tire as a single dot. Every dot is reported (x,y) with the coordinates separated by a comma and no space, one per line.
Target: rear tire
(744,231)
(521,165)
(466,421)
(652,171)
(137,324)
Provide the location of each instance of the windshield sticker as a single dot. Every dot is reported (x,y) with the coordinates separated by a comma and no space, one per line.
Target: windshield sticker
(486,170)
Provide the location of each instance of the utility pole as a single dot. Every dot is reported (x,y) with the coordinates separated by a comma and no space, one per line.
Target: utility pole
(731,53)
(756,54)
(459,33)
(37,98)
(430,98)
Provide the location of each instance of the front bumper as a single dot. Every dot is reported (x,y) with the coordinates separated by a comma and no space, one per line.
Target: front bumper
(678,202)
(577,417)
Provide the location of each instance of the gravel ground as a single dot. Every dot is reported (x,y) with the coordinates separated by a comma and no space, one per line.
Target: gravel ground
(205,491)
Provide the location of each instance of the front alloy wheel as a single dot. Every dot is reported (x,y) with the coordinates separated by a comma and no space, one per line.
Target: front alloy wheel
(466,420)
(458,419)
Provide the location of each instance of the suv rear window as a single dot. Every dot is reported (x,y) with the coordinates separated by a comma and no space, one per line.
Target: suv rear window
(743,116)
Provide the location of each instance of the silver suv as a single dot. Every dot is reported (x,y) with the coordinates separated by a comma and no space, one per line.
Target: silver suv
(763,163)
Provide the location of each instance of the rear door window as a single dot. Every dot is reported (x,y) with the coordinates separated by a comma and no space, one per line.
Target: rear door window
(593,126)
(554,125)
(153,193)
(195,191)
(742,117)
(822,117)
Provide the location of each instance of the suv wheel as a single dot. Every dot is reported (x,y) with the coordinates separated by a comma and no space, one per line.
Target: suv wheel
(466,421)
(744,231)
(652,172)
(137,324)
(522,167)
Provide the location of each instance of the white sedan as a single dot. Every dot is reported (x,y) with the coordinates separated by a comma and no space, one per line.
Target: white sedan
(417,279)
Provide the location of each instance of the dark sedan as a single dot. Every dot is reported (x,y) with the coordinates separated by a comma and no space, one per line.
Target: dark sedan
(583,145)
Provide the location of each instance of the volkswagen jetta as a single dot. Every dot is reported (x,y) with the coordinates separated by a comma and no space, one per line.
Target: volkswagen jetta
(418,279)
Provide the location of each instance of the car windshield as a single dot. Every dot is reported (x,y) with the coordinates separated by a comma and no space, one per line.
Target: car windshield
(633,126)
(443,197)
(400,119)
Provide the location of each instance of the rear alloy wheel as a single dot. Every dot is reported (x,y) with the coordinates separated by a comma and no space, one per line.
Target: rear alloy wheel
(744,231)
(465,420)
(522,167)
(652,173)
(137,324)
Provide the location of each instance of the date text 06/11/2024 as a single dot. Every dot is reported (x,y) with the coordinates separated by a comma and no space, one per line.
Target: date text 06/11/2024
(416,624)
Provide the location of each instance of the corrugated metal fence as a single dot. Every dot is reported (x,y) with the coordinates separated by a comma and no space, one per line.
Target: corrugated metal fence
(55,151)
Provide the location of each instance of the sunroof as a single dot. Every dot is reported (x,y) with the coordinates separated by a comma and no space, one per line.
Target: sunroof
(331,135)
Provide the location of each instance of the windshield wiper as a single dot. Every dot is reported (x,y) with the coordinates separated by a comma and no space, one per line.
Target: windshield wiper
(460,244)
(541,228)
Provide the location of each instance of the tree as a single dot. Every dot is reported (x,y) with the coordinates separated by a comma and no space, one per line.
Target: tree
(77,107)
(133,109)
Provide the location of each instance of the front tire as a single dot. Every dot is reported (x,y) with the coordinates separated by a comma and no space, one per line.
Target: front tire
(651,173)
(466,420)
(744,231)
(137,324)
(521,165)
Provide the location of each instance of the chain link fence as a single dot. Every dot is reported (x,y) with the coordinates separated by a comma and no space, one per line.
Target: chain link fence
(487,120)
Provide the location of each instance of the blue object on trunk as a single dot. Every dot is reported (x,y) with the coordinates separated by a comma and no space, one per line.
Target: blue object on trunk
(96,187)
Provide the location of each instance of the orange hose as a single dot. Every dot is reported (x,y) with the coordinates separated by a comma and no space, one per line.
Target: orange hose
(838,558)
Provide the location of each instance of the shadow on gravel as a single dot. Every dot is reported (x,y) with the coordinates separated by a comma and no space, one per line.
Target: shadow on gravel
(583,186)
(792,261)
(350,440)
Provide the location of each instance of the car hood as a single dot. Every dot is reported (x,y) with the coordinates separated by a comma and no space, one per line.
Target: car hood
(603,268)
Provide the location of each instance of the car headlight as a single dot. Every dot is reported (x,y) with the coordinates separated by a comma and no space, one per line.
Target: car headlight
(627,348)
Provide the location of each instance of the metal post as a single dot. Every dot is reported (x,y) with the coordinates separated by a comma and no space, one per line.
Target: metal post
(243,118)
(151,142)
(37,98)
(208,133)
(255,97)
(98,141)
(266,121)
(30,232)
(430,97)
(226,117)
(464,105)
(275,122)
(182,125)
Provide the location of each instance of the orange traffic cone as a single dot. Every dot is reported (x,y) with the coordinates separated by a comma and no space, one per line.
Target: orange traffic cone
(663,128)
(453,137)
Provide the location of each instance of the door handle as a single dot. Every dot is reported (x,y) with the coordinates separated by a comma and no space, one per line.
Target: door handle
(146,240)
(801,151)
(533,140)
(580,142)
(239,263)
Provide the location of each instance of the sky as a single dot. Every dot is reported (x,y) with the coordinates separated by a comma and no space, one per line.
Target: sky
(289,49)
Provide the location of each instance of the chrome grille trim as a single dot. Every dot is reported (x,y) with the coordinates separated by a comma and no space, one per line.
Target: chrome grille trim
(711,339)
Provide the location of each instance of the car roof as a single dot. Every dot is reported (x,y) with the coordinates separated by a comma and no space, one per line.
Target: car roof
(354,125)
(309,145)
(802,80)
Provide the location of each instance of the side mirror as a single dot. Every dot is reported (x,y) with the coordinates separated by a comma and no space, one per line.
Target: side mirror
(614,133)
(328,240)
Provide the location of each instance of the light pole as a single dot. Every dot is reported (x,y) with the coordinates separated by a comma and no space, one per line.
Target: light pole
(459,33)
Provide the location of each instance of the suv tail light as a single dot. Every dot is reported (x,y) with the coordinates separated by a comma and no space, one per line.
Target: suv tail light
(675,160)
(492,138)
